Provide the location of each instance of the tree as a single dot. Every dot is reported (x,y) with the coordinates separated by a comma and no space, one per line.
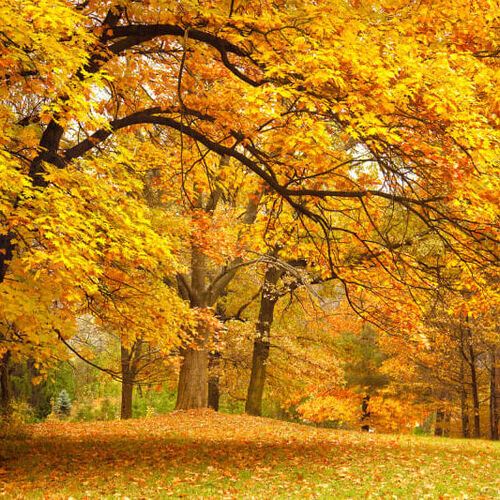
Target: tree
(495,395)
(269,297)
(6,390)
(207,283)
(451,372)
(62,405)
(281,89)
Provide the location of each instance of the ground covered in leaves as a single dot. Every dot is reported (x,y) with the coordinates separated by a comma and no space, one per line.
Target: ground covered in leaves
(205,454)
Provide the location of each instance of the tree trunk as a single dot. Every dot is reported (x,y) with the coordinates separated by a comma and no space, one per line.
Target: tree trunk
(497,389)
(213,393)
(475,393)
(464,408)
(213,381)
(5,387)
(127,398)
(193,380)
(127,384)
(439,429)
(495,394)
(366,414)
(446,425)
(253,405)
(269,297)
(193,384)
(6,252)
(192,388)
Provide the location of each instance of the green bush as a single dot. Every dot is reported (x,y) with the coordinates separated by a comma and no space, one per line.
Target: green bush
(84,413)
(107,411)
(420,430)
(160,402)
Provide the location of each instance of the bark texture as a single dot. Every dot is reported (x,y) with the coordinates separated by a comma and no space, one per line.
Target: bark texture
(253,405)
(193,380)
(475,393)
(192,389)
(439,428)
(269,297)
(128,380)
(213,381)
(5,386)
(366,413)
(464,407)
(495,394)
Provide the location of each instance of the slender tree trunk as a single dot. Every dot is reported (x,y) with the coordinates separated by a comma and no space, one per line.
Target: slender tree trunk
(214,363)
(475,393)
(446,424)
(495,394)
(269,297)
(464,409)
(5,387)
(213,381)
(127,398)
(213,393)
(127,383)
(6,252)
(253,405)
(439,428)
(497,389)
(366,414)
(193,380)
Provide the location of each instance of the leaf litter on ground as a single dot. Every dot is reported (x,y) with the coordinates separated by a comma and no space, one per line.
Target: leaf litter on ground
(204,454)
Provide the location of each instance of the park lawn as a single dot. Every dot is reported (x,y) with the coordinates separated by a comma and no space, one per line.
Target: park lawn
(205,454)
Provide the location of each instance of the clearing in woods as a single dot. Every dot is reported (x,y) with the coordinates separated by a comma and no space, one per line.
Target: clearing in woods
(206,454)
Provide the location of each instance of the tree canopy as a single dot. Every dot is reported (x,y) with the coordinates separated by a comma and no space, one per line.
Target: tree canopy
(364,135)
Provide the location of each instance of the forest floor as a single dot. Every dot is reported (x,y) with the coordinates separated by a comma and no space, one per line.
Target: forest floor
(205,454)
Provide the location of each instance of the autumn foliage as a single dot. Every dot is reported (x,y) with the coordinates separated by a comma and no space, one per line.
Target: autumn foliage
(286,202)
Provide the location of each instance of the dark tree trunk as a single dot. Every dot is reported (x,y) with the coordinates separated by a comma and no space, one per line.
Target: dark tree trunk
(464,408)
(5,387)
(6,251)
(213,393)
(127,398)
(269,297)
(366,414)
(127,383)
(193,380)
(213,381)
(260,354)
(475,393)
(446,426)
(495,394)
(497,390)
(439,428)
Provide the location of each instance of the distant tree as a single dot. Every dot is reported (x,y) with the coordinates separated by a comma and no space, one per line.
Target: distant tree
(62,405)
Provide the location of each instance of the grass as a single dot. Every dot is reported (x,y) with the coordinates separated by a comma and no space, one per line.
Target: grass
(209,455)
